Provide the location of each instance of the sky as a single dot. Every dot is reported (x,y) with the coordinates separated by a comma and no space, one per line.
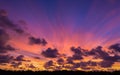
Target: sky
(62,24)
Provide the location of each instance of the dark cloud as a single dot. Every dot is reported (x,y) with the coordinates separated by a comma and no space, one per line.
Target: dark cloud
(10,48)
(48,64)
(60,61)
(20,58)
(77,53)
(82,65)
(2,49)
(4,37)
(5,49)
(69,60)
(33,40)
(114,58)
(16,64)
(76,50)
(77,57)
(106,64)
(108,60)
(43,42)
(115,47)
(6,58)
(76,65)
(98,53)
(51,53)
(5,22)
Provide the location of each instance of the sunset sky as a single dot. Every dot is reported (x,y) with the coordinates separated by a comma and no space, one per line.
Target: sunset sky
(41,31)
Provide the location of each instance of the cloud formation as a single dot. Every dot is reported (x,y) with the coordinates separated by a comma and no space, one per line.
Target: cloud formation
(33,40)
(50,53)
(60,61)
(16,64)
(48,64)
(98,53)
(6,58)
(6,23)
(20,58)
(115,47)
(4,38)
(77,53)
(106,63)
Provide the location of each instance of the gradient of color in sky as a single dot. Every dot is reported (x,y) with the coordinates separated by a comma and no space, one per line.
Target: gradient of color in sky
(66,23)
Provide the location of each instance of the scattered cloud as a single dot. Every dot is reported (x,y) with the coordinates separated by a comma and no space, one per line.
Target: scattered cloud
(4,38)
(6,23)
(6,58)
(16,64)
(106,64)
(98,53)
(48,64)
(33,40)
(76,50)
(60,61)
(20,58)
(50,53)
(77,53)
(115,47)
(69,60)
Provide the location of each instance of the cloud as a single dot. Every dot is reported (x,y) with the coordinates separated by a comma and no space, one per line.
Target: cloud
(4,38)
(33,40)
(10,48)
(106,64)
(82,65)
(6,23)
(50,53)
(43,42)
(60,61)
(108,60)
(115,47)
(5,58)
(16,64)
(20,58)
(77,53)
(77,57)
(48,64)
(98,53)
(76,65)
(76,50)
(114,58)
(69,60)
(6,48)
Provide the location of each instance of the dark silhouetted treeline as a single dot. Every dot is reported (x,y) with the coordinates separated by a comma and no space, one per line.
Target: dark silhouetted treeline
(5,72)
